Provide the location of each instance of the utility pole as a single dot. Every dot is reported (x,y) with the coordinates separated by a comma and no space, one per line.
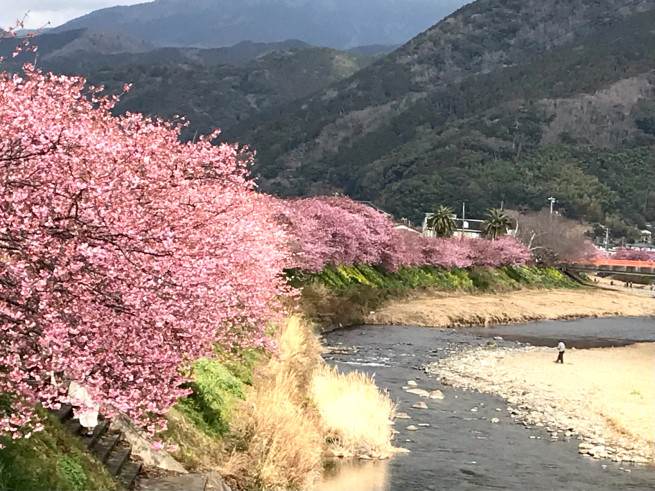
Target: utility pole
(607,238)
(463,211)
(552,202)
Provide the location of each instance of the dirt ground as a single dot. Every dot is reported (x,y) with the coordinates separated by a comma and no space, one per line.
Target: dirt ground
(450,310)
(616,383)
(619,286)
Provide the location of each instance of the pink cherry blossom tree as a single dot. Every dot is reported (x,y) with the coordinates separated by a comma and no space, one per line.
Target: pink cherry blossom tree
(124,254)
(339,231)
(625,253)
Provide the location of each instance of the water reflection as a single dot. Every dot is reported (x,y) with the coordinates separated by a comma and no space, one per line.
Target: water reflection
(355,475)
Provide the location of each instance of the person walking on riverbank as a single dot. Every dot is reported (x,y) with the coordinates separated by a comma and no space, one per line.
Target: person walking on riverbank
(561,347)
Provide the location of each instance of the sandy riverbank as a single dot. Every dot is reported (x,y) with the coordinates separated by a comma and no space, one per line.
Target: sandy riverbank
(605,396)
(455,310)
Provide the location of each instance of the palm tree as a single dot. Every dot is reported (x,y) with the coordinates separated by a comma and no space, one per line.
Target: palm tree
(496,224)
(442,221)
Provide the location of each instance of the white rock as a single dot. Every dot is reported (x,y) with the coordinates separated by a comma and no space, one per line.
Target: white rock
(495,420)
(420,405)
(418,392)
(436,394)
(403,416)
(412,428)
(411,383)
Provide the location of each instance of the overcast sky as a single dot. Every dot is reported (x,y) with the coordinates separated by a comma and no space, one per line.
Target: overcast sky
(54,11)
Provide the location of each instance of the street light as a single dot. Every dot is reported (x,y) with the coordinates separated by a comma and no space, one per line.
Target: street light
(552,202)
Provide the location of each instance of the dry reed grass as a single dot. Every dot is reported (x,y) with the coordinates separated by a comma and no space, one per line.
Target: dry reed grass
(279,433)
(292,411)
(354,412)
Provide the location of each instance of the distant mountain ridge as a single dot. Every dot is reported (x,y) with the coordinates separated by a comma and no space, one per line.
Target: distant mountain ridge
(81,50)
(340,24)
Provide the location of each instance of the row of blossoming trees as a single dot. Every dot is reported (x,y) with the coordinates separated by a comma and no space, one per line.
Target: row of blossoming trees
(125,255)
(333,230)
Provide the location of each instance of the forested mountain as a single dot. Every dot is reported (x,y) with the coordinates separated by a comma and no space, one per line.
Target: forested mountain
(81,50)
(339,24)
(219,96)
(508,101)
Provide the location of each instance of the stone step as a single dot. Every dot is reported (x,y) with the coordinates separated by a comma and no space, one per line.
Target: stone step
(74,426)
(188,482)
(105,445)
(129,473)
(98,431)
(64,413)
(116,459)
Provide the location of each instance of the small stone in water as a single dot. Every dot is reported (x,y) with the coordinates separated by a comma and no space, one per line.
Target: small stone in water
(420,405)
(474,410)
(411,383)
(495,420)
(412,428)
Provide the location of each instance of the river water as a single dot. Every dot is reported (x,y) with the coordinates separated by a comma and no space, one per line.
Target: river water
(463,450)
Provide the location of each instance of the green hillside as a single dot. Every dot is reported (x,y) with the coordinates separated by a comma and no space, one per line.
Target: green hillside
(220,96)
(511,101)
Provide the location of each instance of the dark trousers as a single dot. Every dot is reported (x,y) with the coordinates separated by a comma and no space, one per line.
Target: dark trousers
(560,357)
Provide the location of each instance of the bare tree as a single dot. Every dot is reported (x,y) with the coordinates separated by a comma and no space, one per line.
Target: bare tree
(552,237)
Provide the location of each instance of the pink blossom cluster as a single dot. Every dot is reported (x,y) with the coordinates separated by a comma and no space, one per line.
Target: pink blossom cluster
(340,231)
(124,254)
(336,230)
(625,253)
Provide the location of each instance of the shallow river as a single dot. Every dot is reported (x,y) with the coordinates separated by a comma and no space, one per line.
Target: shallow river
(463,450)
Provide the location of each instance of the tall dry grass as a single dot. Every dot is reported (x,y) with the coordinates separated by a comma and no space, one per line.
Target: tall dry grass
(353,411)
(280,441)
(296,406)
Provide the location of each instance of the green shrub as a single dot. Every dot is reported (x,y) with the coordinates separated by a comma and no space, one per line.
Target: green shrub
(71,470)
(213,400)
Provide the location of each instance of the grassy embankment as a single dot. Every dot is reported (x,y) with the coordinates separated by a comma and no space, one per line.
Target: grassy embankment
(347,295)
(51,459)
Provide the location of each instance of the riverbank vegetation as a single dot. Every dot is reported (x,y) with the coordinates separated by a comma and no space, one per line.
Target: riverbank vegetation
(294,413)
(347,295)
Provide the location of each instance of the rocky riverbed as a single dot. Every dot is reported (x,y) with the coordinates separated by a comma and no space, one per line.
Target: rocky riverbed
(564,415)
(466,439)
